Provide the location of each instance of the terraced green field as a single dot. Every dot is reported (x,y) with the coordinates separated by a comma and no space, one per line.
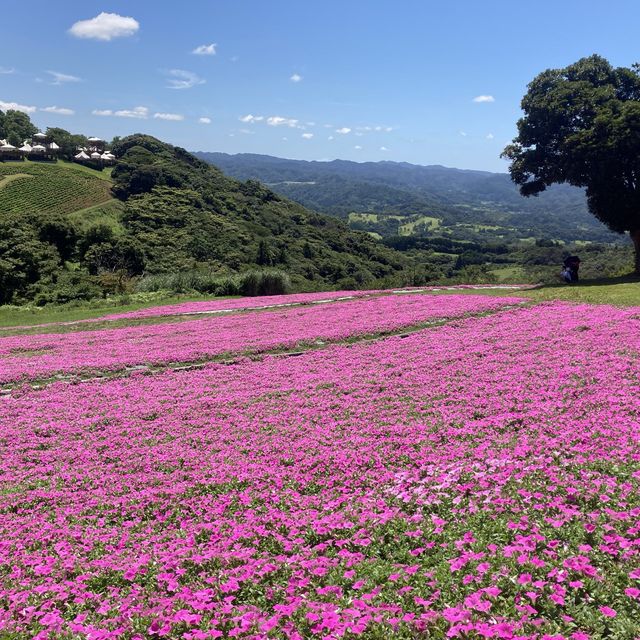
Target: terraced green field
(29,187)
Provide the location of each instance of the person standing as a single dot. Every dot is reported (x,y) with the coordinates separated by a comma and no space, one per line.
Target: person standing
(570,273)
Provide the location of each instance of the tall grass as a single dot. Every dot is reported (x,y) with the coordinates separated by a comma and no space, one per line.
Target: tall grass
(266,282)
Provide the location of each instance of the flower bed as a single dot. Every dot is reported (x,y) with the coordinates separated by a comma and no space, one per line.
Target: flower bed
(39,356)
(476,480)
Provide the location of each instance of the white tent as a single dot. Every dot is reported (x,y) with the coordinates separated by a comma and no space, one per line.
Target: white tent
(54,147)
(39,136)
(26,147)
(95,156)
(7,147)
(95,140)
(81,156)
(38,148)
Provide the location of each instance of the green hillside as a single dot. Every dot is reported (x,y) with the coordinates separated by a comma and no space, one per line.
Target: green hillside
(62,187)
(163,219)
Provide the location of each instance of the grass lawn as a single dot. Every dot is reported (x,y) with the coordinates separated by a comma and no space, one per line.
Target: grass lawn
(11,316)
(620,292)
(623,292)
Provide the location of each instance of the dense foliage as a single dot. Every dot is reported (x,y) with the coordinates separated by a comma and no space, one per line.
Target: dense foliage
(15,127)
(187,214)
(581,126)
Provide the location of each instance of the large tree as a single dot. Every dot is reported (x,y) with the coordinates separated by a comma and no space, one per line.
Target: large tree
(16,127)
(581,125)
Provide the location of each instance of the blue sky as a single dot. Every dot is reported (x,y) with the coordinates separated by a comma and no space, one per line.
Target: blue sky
(360,80)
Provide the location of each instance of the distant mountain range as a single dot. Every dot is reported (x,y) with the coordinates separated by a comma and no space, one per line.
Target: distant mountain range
(399,198)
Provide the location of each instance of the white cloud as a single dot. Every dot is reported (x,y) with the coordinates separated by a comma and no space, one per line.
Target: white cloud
(141,113)
(251,118)
(484,99)
(62,78)
(279,121)
(204,120)
(105,26)
(180,79)
(343,130)
(5,71)
(384,149)
(490,136)
(330,138)
(307,136)
(463,134)
(62,111)
(247,132)
(14,106)
(285,139)
(205,50)
(358,147)
(173,117)
(296,77)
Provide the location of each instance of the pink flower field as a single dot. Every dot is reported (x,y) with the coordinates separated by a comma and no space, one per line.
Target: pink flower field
(24,357)
(475,479)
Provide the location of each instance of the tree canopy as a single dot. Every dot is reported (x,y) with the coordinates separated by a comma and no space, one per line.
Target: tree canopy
(16,126)
(581,126)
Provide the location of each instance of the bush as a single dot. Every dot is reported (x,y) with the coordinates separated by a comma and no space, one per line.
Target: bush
(70,286)
(264,283)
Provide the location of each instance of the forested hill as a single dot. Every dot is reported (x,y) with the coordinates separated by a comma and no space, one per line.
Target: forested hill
(187,213)
(63,236)
(459,199)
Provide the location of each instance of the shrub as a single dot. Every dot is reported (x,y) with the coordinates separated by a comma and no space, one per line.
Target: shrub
(264,283)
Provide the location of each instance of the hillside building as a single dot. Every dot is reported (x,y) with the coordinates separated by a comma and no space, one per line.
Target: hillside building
(41,147)
(35,149)
(95,153)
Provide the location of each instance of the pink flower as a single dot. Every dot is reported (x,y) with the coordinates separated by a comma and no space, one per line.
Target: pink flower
(632,592)
(608,612)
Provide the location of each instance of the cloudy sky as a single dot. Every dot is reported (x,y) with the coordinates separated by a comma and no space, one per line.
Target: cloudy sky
(423,81)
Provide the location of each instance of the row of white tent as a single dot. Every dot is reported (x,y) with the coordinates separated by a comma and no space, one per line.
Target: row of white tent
(83,156)
(28,148)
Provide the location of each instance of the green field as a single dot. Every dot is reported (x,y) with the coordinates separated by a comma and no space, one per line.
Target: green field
(408,228)
(363,217)
(63,187)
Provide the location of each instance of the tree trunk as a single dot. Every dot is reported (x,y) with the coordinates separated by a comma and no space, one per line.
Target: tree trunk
(635,237)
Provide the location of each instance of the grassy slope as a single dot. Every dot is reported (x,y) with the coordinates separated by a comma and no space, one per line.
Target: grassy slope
(107,213)
(62,187)
(11,316)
